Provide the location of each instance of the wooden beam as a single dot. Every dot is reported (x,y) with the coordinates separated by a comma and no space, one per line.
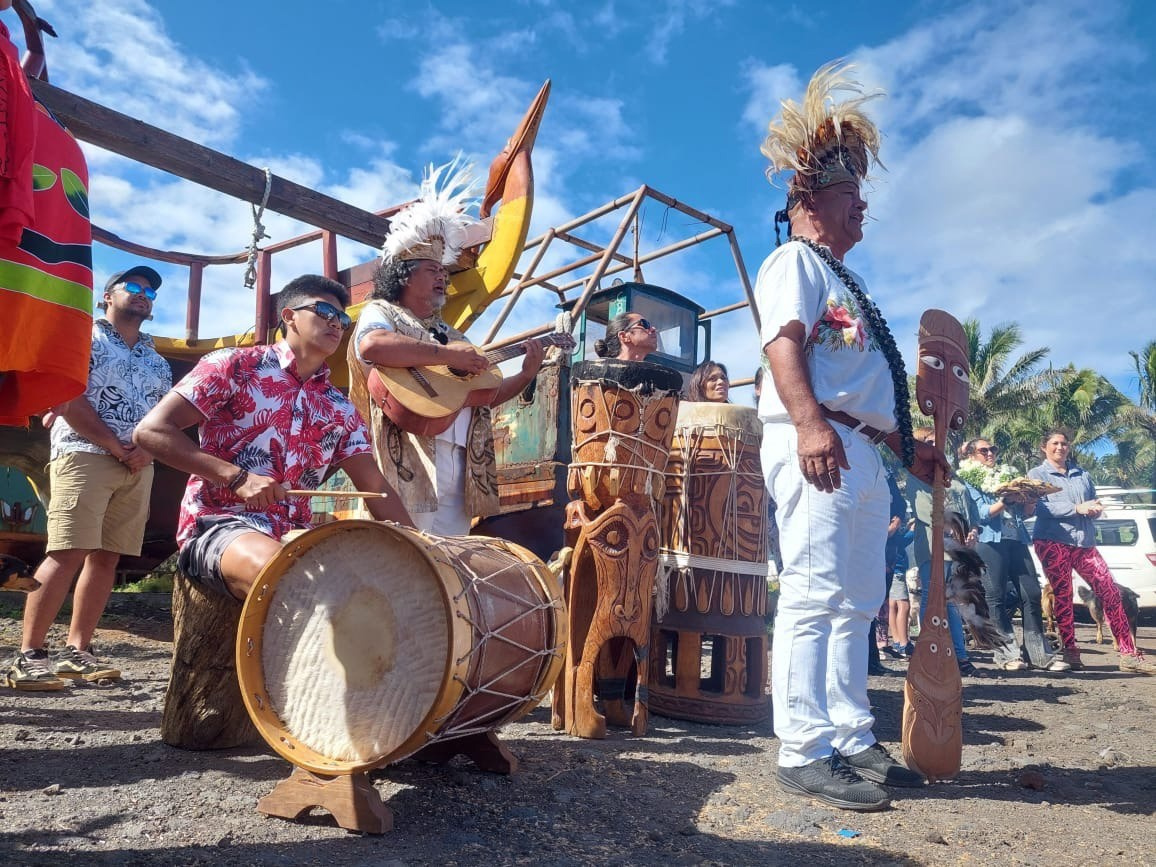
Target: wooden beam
(139,141)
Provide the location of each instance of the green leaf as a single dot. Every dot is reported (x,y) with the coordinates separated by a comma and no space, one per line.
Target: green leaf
(75,191)
(43,178)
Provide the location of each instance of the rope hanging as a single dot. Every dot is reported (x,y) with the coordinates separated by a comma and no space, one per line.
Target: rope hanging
(259,233)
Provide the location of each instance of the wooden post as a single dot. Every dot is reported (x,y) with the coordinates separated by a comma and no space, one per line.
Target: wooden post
(203,707)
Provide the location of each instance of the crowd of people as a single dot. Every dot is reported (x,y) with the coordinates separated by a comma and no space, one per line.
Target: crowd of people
(271,423)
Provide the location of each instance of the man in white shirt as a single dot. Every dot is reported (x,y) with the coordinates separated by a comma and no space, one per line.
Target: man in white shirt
(839,389)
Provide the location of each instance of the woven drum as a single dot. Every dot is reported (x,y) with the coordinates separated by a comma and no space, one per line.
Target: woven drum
(361,642)
(709,651)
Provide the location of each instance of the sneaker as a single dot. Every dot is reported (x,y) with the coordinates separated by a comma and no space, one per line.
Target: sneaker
(909,650)
(74,663)
(832,782)
(1137,664)
(966,669)
(29,671)
(1057,663)
(875,764)
(1014,665)
(893,650)
(1072,658)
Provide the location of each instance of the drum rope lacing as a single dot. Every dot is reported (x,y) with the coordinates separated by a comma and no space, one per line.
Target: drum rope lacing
(674,561)
(642,455)
(482,634)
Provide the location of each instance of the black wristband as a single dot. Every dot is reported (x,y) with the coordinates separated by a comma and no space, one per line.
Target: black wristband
(238,480)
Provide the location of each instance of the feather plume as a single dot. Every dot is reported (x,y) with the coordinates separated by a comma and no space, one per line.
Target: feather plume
(823,141)
(435,226)
(965,590)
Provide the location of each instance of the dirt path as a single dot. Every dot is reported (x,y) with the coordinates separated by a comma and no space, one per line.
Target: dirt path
(85,780)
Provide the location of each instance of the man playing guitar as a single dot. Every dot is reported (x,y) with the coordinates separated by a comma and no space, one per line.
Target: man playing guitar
(449,478)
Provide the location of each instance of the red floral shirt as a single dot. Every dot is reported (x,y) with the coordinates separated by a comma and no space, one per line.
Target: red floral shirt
(260,416)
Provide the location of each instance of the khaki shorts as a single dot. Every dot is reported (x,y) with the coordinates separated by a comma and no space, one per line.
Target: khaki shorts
(96,503)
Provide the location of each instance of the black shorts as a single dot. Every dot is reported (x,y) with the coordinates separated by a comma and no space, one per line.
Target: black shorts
(200,558)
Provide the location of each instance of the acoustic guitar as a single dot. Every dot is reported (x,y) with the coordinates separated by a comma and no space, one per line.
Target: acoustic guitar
(426,400)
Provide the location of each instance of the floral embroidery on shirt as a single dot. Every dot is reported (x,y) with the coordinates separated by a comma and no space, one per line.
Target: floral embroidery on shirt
(840,327)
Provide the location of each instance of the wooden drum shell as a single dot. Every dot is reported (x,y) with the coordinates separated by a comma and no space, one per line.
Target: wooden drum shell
(715,506)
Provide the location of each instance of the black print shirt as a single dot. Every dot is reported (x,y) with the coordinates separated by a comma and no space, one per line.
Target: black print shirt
(123,384)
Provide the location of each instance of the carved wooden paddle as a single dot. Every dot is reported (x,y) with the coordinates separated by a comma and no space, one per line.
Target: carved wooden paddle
(933,694)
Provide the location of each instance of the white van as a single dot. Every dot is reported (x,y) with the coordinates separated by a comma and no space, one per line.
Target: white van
(1126,538)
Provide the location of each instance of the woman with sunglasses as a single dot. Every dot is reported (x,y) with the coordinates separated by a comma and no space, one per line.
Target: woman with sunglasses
(1065,540)
(1003,545)
(629,337)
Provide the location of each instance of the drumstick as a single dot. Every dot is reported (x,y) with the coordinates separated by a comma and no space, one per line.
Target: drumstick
(364,495)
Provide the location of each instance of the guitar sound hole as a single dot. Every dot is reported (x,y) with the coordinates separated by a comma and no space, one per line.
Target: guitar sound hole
(464,374)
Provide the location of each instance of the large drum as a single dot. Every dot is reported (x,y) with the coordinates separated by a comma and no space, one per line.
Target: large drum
(622,416)
(360,643)
(709,659)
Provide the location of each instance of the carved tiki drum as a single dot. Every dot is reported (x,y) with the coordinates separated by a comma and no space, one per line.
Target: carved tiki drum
(623,418)
(708,658)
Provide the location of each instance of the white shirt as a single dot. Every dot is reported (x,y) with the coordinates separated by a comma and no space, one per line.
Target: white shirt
(373,318)
(848,371)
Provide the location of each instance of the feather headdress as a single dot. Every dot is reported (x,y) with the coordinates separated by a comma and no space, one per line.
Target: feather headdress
(822,141)
(434,226)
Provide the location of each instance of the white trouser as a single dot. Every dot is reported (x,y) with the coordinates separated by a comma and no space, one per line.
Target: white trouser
(450,519)
(829,589)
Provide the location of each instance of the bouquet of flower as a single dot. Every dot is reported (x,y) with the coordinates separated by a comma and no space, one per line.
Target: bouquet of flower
(987,479)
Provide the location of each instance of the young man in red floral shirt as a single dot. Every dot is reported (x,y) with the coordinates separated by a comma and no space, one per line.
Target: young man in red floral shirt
(269,421)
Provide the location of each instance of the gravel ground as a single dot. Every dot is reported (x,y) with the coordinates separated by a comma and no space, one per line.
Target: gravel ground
(1056,770)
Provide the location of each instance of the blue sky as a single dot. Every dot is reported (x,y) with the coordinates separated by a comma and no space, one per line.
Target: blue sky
(1018,136)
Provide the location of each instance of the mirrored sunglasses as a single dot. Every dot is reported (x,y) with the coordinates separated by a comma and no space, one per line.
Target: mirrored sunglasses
(136,289)
(327,312)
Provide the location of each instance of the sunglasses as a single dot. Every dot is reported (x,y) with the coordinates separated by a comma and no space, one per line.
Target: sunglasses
(327,312)
(992,451)
(641,323)
(136,289)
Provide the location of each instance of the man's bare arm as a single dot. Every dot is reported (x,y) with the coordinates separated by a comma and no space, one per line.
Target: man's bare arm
(364,473)
(162,432)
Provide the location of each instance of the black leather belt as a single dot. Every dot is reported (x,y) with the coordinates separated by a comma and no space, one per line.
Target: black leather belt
(874,434)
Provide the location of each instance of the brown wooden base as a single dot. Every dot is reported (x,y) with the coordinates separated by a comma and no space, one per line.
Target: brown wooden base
(351,799)
(484,750)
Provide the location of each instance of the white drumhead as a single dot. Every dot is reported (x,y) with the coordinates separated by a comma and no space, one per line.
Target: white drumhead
(355,642)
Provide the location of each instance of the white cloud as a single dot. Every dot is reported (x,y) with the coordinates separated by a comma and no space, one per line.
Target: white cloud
(1003,198)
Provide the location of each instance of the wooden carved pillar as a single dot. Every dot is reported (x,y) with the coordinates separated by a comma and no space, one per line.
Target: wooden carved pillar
(623,420)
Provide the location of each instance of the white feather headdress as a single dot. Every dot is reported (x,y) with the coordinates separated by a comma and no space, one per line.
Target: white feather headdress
(823,142)
(434,227)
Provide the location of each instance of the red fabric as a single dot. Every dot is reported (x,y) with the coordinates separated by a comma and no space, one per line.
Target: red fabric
(260,416)
(1059,561)
(46,332)
(16,140)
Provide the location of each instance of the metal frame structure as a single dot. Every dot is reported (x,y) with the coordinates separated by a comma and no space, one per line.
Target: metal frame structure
(609,260)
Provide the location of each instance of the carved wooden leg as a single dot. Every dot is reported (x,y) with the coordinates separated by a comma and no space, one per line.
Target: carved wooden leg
(614,662)
(351,799)
(485,750)
(558,700)
(641,718)
(585,721)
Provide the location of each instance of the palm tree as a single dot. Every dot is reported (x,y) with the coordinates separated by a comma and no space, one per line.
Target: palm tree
(1145,361)
(1002,389)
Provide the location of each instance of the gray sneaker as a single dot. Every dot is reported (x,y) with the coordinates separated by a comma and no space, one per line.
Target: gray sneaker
(29,671)
(831,782)
(74,663)
(875,764)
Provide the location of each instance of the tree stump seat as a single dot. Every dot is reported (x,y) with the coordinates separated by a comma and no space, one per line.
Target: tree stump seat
(203,709)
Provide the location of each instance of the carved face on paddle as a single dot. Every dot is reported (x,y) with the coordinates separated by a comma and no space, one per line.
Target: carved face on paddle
(942,381)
